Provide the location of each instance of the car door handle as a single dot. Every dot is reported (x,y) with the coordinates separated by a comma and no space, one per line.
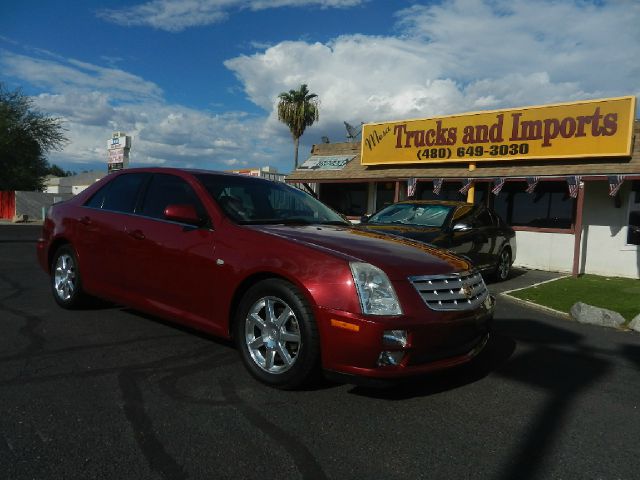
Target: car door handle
(137,234)
(85,220)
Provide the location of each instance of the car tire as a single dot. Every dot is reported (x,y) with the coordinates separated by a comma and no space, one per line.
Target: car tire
(66,283)
(276,334)
(503,267)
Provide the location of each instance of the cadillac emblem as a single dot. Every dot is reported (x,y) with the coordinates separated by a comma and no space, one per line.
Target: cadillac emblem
(467,291)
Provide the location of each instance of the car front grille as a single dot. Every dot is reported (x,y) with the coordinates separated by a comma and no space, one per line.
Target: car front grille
(453,292)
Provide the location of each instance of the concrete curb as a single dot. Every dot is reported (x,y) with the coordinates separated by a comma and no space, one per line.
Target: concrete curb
(558,313)
(536,306)
(30,222)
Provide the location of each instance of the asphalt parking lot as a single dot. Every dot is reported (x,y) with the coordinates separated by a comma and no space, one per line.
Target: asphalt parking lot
(112,393)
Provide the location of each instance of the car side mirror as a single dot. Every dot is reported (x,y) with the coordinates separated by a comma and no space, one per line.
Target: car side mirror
(461,227)
(182,213)
(365,218)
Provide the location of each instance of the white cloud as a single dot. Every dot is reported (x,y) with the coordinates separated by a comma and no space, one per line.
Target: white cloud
(452,57)
(177,15)
(62,75)
(87,108)
(94,101)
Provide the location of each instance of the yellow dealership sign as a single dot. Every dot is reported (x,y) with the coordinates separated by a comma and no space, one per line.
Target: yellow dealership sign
(591,128)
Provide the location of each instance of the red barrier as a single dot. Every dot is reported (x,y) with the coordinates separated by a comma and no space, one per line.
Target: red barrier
(7,205)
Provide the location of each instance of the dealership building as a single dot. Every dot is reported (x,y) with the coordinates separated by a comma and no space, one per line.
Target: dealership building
(565,176)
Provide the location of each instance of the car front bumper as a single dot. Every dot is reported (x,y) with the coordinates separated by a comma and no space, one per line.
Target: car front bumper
(353,344)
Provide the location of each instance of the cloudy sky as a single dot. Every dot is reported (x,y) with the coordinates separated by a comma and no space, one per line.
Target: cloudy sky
(195,82)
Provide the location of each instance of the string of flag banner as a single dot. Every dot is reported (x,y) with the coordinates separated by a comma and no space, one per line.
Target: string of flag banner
(573,182)
(498,183)
(411,187)
(574,185)
(466,186)
(437,185)
(615,182)
(532,183)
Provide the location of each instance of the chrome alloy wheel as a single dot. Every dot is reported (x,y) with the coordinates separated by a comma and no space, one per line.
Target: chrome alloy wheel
(64,277)
(504,264)
(272,335)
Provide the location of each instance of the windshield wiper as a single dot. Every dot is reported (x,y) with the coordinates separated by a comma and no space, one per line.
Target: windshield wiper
(291,221)
(334,222)
(295,221)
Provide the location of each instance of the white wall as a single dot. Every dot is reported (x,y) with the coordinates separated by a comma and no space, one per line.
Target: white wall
(544,251)
(76,189)
(57,189)
(35,204)
(605,233)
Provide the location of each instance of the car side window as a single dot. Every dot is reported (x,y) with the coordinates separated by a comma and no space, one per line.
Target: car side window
(463,214)
(483,219)
(97,200)
(164,190)
(120,194)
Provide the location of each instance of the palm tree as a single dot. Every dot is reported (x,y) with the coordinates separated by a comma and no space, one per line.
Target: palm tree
(298,109)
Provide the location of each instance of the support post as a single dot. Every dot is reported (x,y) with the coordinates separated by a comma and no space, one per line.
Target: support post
(471,193)
(577,233)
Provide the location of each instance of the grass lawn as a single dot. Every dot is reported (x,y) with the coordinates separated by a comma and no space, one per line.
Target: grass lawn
(621,295)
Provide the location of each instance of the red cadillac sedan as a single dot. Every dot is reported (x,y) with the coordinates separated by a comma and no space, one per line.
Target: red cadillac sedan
(272,268)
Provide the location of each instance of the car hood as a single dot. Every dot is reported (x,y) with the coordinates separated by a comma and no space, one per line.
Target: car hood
(399,257)
(431,235)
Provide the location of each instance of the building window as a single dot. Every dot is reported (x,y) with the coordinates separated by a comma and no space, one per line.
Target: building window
(385,194)
(451,191)
(346,198)
(550,206)
(633,228)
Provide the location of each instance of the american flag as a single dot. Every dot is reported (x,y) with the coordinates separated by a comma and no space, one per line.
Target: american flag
(615,182)
(411,187)
(574,185)
(465,188)
(498,183)
(437,185)
(532,183)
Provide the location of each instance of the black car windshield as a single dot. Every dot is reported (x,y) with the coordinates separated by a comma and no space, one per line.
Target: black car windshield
(413,214)
(247,200)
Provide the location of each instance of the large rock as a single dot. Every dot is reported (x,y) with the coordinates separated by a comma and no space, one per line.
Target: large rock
(584,313)
(635,323)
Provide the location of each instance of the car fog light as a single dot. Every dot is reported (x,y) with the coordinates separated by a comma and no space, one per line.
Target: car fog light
(387,359)
(489,302)
(395,338)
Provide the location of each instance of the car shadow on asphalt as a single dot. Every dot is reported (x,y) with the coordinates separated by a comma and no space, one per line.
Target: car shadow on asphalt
(514,273)
(537,356)
(539,339)
(178,326)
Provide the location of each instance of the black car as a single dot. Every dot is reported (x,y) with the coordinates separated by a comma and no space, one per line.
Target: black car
(472,231)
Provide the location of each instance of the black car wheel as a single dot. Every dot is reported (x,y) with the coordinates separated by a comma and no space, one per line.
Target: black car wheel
(65,278)
(276,334)
(503,268)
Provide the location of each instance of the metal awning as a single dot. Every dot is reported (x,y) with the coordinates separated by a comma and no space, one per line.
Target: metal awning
(326,162)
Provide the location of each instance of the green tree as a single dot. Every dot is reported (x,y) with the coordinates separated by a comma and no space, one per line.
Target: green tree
(56,171)
(26,135)
(298,109)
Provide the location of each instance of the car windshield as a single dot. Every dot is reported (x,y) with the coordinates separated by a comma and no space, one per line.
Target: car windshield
(413,214)
(247,200)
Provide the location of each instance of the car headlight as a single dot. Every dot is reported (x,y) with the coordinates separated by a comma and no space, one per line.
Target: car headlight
(377,296)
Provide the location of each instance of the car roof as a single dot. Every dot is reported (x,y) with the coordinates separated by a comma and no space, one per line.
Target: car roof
(446,203)
(171,170)
(188,171)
